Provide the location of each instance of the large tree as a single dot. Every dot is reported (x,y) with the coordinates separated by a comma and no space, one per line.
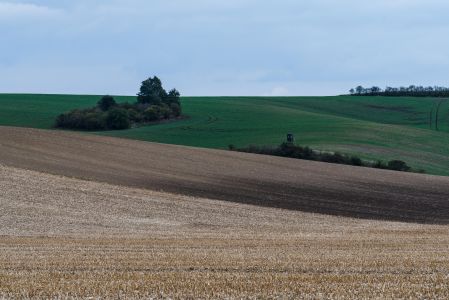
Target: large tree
(151,92)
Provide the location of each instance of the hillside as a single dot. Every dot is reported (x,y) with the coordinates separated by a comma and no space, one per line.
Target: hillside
(372,127)
(163,221)
(238,177)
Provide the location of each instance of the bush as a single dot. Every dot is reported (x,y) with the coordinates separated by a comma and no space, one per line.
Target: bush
(81,120)
(127,105)
(117,118)
(379,165)
(152,113)
(335,158)
(135,116)
(93,121)
(106,102)
(398,165)
(293,151)
(164,111)
(175,109)
(356,161)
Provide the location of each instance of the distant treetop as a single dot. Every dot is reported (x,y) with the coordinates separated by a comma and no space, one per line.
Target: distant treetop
(411,91)
(151,92)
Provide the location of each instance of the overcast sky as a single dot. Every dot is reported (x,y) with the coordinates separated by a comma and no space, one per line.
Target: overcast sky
(222,47)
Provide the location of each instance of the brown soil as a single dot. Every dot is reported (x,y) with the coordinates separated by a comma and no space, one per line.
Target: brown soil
(237,177)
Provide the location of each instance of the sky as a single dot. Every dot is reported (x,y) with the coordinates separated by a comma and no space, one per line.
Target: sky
(222,48)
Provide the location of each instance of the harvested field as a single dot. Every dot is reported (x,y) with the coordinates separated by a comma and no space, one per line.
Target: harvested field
(69,238)
(237,177)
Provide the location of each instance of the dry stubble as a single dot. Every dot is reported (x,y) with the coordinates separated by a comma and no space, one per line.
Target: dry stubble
(66,238)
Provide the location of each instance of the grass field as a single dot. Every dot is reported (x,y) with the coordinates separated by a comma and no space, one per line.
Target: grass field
(371,127)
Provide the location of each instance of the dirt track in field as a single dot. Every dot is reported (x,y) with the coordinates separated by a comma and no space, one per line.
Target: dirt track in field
(237,177)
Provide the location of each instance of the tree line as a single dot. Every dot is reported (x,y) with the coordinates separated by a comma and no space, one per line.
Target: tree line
(411,91)
(153,104)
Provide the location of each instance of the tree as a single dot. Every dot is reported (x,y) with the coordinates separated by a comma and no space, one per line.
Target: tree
(151,92)
(153,104)
(173,97)
(106,102)
(410,91)
(117,118)
(375,89)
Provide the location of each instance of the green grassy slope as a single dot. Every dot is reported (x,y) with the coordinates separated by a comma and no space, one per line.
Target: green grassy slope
(38,110)
(372,127)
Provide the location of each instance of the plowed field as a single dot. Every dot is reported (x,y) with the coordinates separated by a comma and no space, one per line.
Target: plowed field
(237,177)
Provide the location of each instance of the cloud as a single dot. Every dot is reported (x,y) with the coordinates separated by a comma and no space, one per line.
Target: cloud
(11,11)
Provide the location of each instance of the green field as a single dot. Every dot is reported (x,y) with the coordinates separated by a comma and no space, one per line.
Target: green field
(372,127)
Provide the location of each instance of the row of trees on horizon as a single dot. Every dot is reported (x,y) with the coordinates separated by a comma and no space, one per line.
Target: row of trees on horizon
(411,91)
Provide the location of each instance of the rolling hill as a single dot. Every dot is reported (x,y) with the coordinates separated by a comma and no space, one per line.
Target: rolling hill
(87,216)
(372,127)
(231,176)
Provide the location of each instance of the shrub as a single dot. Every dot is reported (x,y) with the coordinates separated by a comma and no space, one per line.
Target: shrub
(135,116)
(93,121)
(379,165)
(293,151)
(164,111)
(106,102)
(398,165)
(356,161)
(81,120)
(61,121)
(152,113)
(127,105)
(335,158)
(175,109)
(117,118)
(287,150)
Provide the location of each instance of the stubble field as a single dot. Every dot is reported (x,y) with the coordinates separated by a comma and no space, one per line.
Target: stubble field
(68,238)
